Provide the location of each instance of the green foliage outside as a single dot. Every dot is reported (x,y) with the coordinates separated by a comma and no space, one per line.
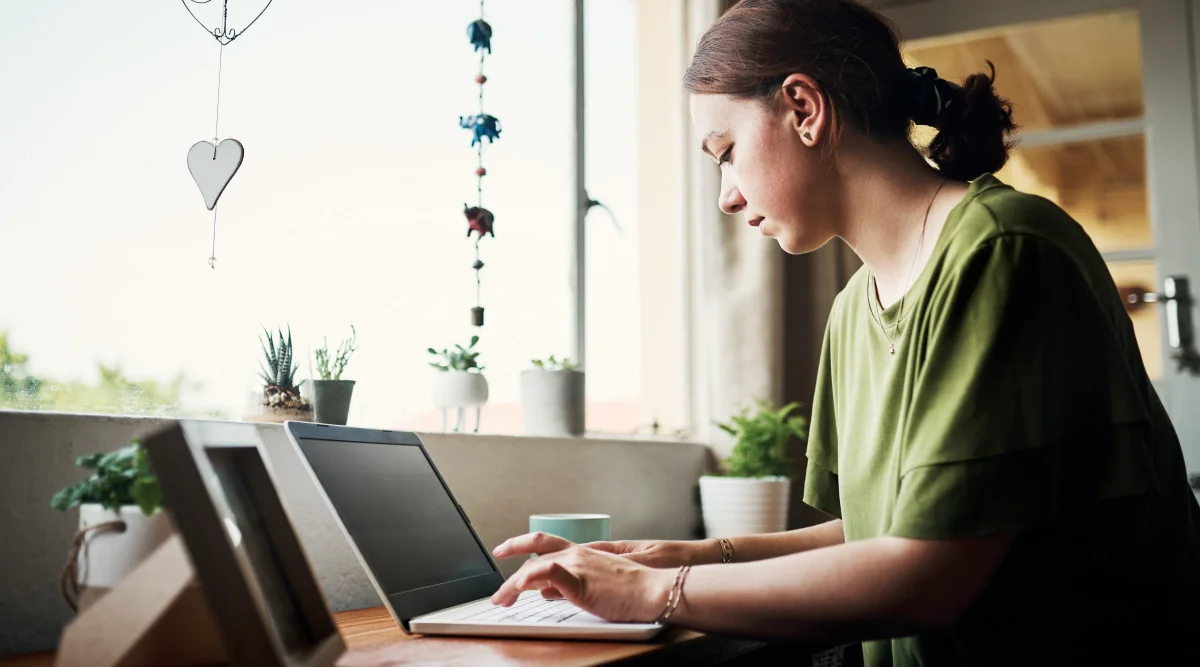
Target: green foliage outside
(113,394)
(17,388)
(762,440)
(118,478)
(458,359)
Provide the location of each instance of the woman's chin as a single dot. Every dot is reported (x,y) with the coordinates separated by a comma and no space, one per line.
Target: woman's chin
(796,244)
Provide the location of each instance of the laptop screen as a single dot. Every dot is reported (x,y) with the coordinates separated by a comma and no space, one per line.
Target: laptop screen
(402,519)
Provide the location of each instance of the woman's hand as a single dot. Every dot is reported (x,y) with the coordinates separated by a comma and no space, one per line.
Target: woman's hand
(663,553)
(612,587)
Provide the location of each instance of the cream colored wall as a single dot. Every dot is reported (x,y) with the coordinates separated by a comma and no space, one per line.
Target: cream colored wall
(649,489)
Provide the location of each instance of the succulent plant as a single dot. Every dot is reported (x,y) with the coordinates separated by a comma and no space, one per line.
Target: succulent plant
(279,372)
(458,359)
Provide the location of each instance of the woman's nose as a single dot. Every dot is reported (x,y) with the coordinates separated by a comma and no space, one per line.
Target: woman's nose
(731,201)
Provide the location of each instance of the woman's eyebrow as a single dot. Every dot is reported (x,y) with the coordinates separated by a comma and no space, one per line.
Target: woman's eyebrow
(710,137)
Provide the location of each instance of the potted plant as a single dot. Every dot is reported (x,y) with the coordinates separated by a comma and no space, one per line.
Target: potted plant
(331,394)
(752,497)
(120,521)
(552,398)
(280,399)
(459,383)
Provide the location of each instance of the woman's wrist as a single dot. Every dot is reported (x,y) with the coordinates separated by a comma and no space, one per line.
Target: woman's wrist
(708,552)
(657,592)
(665,594)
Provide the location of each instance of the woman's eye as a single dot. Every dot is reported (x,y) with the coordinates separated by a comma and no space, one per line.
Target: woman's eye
(726,157)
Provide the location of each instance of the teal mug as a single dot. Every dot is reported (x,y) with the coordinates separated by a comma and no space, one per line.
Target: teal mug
(578,528)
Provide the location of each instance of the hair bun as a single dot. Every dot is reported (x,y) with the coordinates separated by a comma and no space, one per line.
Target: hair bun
(929,96)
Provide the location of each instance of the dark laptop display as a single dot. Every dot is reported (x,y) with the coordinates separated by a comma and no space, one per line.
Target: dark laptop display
(402,518)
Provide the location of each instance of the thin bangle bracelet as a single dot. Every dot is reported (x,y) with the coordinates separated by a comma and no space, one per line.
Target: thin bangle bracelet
(675,595)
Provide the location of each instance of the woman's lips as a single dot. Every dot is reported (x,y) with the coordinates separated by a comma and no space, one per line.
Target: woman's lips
(754,222)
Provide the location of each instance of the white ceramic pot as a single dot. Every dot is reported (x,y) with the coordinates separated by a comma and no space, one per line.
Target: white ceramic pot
(735,506)
(459,389)
(108,556)
(552,402)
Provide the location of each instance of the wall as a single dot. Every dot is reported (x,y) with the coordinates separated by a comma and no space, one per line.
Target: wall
(649,488)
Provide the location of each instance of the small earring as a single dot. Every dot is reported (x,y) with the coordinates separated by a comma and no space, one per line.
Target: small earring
(808,136)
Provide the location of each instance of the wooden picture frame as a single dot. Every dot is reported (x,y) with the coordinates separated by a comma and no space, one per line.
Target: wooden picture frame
(235,539)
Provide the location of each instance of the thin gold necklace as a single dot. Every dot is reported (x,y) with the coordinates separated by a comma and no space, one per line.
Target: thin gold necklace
(872,282)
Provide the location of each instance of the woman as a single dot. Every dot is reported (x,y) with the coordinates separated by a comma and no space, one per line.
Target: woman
(1004,484)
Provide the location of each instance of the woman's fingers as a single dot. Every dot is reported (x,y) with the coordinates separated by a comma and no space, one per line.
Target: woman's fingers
(552,593)
(531,543)
(553,575)
(540,573)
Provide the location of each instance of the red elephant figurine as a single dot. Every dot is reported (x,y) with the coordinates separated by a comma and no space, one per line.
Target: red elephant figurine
(479,220)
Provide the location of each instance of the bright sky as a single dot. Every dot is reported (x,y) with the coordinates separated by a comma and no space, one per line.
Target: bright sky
(347,209)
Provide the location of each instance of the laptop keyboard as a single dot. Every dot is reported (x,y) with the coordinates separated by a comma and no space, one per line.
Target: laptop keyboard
(531,607)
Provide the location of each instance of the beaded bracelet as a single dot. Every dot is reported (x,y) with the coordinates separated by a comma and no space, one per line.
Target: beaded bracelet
(675,595)
(726,550)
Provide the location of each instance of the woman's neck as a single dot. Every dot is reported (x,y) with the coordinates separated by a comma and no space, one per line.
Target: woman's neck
(887,193)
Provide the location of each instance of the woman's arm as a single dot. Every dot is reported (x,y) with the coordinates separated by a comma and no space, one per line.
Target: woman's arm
(883,587)
(673,553)
(772,545)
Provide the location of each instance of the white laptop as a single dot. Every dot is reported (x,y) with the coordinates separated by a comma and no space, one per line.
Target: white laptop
(419,549)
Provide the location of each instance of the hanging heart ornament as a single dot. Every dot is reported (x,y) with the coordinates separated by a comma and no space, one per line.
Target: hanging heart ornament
(223,33)
(213,167)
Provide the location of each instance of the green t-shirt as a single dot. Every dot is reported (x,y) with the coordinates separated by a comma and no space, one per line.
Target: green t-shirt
(1016,400)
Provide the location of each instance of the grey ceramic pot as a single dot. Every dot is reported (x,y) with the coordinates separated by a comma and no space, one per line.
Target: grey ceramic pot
(331,400)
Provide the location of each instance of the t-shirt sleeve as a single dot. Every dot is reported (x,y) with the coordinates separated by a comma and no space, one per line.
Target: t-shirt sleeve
(1024,405)
(820,477)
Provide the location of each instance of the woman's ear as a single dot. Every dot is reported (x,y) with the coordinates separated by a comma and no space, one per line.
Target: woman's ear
(808,109)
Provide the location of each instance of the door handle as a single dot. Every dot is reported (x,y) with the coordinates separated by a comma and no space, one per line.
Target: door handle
(1177,298)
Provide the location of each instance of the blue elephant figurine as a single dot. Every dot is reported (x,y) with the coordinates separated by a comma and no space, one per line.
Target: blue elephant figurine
(482,126)
(480,34)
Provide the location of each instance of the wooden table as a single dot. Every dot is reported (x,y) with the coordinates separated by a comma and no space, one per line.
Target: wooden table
(373,638)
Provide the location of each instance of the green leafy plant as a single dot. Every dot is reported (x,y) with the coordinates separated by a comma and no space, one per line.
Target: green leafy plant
(553,364)
(333,371)
(762,440)
(119,478)
(457,359)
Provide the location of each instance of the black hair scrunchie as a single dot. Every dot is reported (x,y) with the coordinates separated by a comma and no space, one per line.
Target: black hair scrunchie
(928,96)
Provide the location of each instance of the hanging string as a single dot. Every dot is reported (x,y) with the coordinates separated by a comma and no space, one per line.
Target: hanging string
(212,259)
(217,119)
(483,128)
(479,172)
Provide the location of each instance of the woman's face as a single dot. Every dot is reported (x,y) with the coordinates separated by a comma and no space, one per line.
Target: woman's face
(771,172)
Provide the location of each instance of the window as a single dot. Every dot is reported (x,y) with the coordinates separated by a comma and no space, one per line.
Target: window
(612,317)
(1077,87)
(346,211)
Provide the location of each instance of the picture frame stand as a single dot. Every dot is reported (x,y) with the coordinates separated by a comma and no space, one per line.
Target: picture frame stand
(157,615)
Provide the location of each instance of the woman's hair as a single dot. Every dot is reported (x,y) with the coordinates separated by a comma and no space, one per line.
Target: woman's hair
(854,55)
